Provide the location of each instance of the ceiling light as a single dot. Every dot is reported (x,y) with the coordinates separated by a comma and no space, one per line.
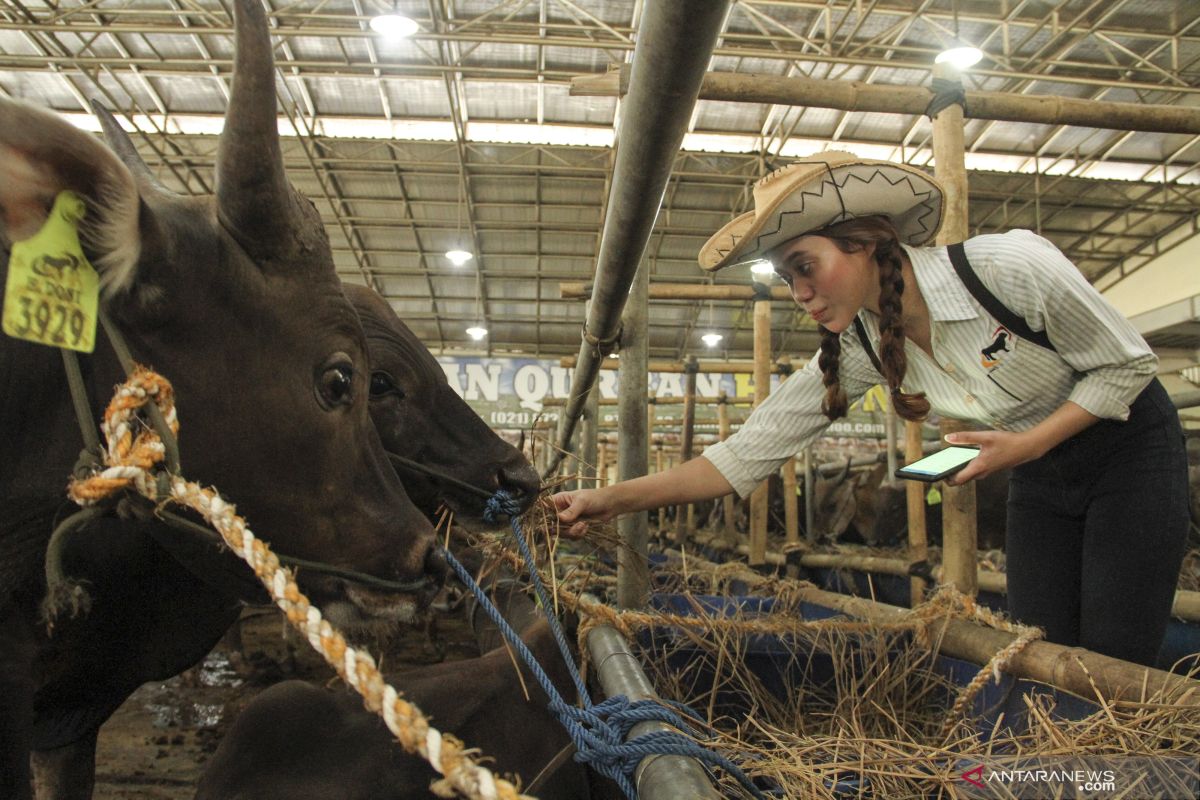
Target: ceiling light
(712,339)
(476,332)
(458,257)
(762,267)
(394,26)
(959,57)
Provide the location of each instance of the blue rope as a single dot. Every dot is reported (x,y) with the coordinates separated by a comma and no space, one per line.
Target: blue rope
(598,730)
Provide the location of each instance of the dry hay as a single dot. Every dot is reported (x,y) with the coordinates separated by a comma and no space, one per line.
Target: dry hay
(875,720)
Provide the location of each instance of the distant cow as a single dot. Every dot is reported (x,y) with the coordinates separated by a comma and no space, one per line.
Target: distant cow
(305,743)
(861,507)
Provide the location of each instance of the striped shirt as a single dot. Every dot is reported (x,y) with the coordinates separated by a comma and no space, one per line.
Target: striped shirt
(980,371)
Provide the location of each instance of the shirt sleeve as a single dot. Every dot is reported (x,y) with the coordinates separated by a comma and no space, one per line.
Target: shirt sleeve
(1036,281)
(788,420)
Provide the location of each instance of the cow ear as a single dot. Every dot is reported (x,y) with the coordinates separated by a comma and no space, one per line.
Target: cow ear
(41,155)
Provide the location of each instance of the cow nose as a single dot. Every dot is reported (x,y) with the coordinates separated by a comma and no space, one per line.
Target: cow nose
(522,483)
(435,566)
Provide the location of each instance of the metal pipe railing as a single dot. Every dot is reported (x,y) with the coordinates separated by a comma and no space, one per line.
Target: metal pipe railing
(674,46)
(659,777)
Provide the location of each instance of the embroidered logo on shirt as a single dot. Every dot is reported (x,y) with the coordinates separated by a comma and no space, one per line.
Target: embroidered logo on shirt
(1000,346)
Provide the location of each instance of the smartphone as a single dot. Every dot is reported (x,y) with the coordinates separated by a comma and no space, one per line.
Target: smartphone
(942,464)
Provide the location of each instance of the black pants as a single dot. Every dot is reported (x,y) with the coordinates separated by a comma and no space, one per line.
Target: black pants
(1096,532)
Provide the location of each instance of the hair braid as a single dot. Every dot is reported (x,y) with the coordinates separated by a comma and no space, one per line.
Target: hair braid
(835,403)
(912,407)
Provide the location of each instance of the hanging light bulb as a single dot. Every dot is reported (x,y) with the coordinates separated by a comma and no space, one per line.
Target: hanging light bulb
(762,267)
(959,57)
(394,25)
(477,332)
(712,338)
(458,257)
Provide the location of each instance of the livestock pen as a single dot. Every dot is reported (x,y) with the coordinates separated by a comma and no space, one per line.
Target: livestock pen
(632,237)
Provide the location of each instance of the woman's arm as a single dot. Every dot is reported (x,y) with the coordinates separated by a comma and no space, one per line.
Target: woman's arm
(689,482)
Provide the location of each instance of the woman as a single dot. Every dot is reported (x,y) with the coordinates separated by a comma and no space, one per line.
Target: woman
(1097,509)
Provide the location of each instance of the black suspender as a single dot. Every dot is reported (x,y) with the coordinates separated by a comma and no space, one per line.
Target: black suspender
(958,257)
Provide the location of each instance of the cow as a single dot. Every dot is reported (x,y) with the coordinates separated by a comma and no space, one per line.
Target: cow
(186,599)
(235,298)
(419,415)
(305,743)
(862,507)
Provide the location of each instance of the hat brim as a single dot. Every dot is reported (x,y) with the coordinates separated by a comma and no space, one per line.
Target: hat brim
(825,195)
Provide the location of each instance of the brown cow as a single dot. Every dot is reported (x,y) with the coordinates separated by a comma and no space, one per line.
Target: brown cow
(155,614)
(235,298)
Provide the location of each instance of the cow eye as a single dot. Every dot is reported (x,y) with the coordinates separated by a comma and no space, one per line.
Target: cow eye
(383,384)
(336,385)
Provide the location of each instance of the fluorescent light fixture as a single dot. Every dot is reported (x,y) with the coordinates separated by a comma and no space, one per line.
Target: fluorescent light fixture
(959,57)
(712,339)
(476,332)
(394,26)
(762,267)
(458,257)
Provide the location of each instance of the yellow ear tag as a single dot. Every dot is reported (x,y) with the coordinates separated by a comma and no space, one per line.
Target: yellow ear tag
(53,294)
(933,497)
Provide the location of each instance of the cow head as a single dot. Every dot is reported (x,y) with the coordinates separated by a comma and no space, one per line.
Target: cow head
(421,418)
(234,298)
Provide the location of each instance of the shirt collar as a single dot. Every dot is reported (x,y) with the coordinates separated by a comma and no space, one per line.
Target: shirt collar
(944,294)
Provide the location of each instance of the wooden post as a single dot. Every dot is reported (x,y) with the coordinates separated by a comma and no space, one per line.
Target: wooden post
(810,497)
(959,534)
(602,465)
(729,506)
(633,570)
(791,508)
(762,388)
(683,515)
(589,433)
(918,542)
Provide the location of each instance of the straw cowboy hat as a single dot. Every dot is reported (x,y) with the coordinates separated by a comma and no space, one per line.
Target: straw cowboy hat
(819,190)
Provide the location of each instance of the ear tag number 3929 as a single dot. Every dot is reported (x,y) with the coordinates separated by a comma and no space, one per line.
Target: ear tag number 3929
(53,294)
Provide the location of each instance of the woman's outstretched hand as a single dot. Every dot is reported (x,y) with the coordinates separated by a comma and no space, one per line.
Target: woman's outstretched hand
(580,507)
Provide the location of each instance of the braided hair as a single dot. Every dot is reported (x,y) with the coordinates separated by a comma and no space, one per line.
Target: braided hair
(853,236)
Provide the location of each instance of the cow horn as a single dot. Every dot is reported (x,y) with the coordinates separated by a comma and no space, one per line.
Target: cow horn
(255,202)
(120,143)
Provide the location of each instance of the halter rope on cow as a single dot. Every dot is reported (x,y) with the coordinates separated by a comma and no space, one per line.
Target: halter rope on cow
(132,460)
(62,592)
(598,730)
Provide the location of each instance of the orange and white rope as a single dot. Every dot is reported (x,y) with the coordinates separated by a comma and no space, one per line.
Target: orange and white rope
(134,449)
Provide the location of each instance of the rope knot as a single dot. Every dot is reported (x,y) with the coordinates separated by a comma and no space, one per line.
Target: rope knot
(132,447)
(502,503)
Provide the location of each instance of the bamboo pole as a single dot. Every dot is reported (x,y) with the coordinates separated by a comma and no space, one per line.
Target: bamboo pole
(762,388)
(914,494)
(892,99)
(683,516)
(729,529)
(1074,669)
(633,456)
(602,464)
(706,367)
(959,535)
(791,509)
(578,290)
(663,401)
